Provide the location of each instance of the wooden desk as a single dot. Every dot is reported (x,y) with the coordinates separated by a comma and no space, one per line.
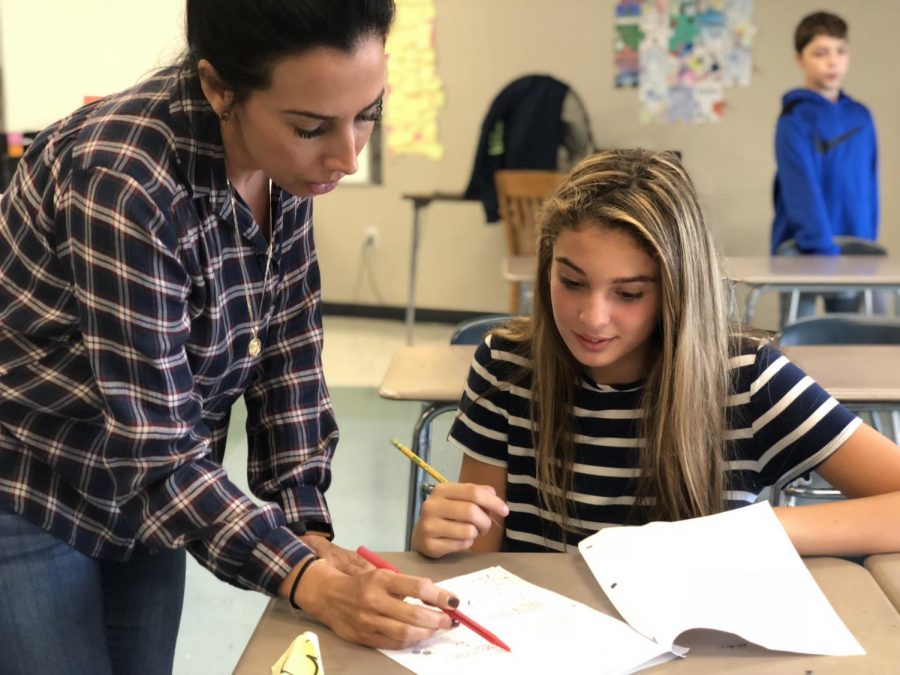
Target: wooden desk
(849,587)
(854,375)
(520,268)
(862,378)
(851,374)
(811,273)
(885,569)
(821,274)
(430,373)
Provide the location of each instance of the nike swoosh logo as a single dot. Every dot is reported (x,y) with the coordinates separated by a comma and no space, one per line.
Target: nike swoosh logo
(824,146)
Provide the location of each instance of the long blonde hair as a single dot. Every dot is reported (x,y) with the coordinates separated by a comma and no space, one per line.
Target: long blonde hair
(650,196)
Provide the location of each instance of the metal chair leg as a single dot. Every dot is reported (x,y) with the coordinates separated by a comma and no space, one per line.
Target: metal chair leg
(794,307)
(876,422)
(421,445)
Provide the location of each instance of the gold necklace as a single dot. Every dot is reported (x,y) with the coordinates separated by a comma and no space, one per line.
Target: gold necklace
(255,346)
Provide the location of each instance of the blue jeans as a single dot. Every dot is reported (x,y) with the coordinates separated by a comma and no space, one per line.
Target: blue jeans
(65,613)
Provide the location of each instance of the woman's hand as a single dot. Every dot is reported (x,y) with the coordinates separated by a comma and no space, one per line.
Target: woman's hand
(347,561)
(455,515)
(369,608)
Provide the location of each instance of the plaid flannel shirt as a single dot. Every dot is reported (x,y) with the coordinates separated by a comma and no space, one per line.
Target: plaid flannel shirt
(124,332)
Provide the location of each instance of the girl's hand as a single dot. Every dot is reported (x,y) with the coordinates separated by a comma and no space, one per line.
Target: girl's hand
(454,516)
(369,608)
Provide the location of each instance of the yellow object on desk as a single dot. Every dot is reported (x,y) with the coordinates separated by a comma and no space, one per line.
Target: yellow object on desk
(301,658)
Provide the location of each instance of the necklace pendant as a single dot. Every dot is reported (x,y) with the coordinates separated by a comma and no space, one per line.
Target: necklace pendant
(255,348)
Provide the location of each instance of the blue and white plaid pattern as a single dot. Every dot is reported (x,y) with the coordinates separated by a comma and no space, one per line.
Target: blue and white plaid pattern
(124,331)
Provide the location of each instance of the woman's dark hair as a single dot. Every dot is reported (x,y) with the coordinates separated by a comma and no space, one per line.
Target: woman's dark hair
(242,39)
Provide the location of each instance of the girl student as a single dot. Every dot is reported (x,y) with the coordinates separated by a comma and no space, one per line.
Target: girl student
(158,263)
(628,396)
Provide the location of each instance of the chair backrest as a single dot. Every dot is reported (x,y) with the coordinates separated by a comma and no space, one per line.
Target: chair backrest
(520,194)
(848,245)
(856,246)
(837,329)
(472,331)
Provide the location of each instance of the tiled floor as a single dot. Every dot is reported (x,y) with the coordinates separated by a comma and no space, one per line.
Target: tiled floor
(368,493)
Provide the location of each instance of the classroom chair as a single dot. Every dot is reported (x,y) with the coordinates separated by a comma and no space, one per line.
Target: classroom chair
(520,195)
(469,332)
(838,329)
(796,305)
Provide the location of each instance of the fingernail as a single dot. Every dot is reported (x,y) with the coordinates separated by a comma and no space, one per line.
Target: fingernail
(453,602)
(454,623)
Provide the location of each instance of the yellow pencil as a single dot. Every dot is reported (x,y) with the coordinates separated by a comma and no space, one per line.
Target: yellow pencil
(430,470)
(421,463)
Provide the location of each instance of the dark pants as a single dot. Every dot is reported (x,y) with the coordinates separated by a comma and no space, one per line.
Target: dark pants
(64,613)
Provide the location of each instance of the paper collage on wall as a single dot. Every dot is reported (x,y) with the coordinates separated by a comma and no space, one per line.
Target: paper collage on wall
(681,54)
(415,93)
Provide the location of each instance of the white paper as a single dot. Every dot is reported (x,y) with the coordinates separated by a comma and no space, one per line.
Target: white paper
(735,572)
(547,633)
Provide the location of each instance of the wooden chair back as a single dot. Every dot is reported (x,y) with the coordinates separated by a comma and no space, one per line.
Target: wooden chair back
(520,194)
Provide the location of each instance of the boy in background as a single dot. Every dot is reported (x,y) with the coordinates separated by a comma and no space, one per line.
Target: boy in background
(826,184)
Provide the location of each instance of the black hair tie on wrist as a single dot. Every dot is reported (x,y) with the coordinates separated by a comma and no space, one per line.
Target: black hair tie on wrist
(296,583)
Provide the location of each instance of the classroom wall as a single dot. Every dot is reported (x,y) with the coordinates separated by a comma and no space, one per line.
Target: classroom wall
(94,46)
(55,52)
(483,44)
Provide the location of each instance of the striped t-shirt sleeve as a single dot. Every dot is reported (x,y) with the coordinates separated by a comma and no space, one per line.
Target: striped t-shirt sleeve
(481,425)
(796,424)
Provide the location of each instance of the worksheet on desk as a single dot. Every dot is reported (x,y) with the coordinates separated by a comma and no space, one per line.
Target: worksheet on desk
(546,632)
(735,572)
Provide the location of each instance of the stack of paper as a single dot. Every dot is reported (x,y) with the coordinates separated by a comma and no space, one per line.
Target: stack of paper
(547,633)
(735,572)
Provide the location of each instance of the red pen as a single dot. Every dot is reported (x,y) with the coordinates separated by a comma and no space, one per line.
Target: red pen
(381,563)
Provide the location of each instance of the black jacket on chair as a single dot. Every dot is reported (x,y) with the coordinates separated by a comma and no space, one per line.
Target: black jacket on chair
(523,129)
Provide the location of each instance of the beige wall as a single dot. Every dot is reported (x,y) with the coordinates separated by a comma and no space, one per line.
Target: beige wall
(96,46)
(56,52)
(483,44)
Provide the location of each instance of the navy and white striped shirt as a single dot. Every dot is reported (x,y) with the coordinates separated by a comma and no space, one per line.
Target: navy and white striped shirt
(124,332)
(782,424)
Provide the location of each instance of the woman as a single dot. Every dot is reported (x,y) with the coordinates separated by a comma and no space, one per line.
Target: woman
(158,263)
(628,396)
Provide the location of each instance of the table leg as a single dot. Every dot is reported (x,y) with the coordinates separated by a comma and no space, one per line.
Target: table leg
(795,306)
(413,257)
(750,305)
(732,298)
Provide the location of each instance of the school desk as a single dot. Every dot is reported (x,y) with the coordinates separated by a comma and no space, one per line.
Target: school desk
(760,274)
(885,568)
(521,268)
(853,374)
(862,378)
(812,273)
(435,375)
(849,587)
(420,201)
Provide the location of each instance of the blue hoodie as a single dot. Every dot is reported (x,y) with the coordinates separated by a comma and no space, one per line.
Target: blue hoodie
(827,179)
